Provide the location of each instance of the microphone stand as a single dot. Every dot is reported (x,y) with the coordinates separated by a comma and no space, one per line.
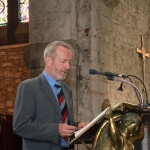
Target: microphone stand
(123,80)
(112,77)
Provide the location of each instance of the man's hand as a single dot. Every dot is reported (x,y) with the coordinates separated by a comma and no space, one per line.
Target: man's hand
(82,124)
(66,130)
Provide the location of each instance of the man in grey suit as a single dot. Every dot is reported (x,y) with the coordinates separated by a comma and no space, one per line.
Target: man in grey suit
(37,115)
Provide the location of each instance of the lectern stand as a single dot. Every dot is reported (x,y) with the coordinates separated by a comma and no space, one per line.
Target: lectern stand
(90,134)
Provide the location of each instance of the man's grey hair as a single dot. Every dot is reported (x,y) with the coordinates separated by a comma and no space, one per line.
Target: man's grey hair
(50,49)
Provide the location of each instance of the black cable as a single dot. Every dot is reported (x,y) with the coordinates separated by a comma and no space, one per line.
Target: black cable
(143,85)
(137,94)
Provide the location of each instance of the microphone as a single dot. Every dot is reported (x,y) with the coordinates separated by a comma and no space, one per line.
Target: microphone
(107,74)
(120,88)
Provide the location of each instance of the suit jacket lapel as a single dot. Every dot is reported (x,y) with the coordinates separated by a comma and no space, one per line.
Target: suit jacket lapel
(45,87)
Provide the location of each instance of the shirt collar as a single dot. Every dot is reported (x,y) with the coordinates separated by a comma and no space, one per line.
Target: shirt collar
(51,80)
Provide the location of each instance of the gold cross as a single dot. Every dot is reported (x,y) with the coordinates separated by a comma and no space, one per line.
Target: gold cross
(144,55)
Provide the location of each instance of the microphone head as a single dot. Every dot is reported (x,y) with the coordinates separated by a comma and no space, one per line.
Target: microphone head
(92,71)
(120,88)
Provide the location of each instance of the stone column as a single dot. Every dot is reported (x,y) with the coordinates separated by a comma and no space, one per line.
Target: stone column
(52,20)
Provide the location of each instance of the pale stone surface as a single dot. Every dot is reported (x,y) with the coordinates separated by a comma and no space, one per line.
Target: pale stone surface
(47,23)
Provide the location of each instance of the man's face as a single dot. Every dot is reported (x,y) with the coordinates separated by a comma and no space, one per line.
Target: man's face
(59,66)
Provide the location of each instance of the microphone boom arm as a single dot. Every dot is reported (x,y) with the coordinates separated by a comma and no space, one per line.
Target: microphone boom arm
(123,80)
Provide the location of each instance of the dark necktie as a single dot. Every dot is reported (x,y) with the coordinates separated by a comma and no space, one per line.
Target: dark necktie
(63,106)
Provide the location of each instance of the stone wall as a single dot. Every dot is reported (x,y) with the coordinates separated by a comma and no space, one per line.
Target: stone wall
(13,70)
(120,29)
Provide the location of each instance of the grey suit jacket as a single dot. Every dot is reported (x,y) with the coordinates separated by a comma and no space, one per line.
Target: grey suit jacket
(37,114)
